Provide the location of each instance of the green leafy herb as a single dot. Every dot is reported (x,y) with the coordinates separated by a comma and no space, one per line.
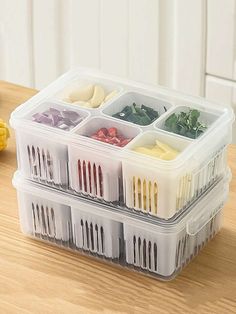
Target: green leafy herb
(139,115)
(185,123)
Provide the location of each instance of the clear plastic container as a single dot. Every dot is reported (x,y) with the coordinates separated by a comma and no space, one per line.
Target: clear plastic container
(146,244)
(72,161)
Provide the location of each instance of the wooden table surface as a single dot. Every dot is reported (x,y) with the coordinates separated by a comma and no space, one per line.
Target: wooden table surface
(38,278)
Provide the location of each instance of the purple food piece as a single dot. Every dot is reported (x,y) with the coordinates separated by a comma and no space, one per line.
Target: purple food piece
(79,120)
(64,120)
(72,115)
(68,121)
(63,127)
(55,120)
(36,116)
(46,120)
(54,111)
(41,118)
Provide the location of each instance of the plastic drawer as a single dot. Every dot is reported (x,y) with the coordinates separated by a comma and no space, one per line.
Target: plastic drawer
(74,160)
(149,245)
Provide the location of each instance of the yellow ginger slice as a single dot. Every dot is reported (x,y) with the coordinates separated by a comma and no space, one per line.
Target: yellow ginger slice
(160,150)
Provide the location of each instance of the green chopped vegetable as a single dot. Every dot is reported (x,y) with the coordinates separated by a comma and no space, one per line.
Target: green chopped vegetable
(139,115)
(185,123)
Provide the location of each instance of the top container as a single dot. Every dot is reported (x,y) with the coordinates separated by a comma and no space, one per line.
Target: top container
(58,143)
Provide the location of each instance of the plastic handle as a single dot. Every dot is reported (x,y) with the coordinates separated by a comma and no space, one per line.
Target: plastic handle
(196,225)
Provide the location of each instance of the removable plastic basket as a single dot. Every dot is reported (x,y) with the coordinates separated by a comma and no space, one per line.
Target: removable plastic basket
(44,218)
(149,245)
(97,173)
(94,233)
(43,159)
(164,189)
(73,161)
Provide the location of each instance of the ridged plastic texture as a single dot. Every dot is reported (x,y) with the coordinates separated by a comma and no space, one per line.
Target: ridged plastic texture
(152,246)
(73,162)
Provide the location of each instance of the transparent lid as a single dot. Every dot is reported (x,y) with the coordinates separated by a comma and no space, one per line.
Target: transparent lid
(158,114)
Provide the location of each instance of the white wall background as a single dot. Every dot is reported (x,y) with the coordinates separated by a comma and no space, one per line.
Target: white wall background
(141,39)
(189,45)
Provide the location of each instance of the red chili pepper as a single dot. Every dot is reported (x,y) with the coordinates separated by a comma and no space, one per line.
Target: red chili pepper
(110,136)
(112,132)
(102,132)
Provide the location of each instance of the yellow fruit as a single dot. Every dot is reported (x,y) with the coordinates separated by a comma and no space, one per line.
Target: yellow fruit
(4,135)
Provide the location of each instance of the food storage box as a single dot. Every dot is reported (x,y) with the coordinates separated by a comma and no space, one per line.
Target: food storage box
(89,133)
(143,243)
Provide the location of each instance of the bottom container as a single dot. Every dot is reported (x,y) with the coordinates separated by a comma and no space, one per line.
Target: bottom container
(146,244)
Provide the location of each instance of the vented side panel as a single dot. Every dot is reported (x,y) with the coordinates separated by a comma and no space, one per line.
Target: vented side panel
(98,235)
(165,254)
(145,254)
(90,178)
(189,246)
(43,161)
(45,219)
(144,195)
(190,186)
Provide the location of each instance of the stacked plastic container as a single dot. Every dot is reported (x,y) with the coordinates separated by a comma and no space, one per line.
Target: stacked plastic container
(90,177)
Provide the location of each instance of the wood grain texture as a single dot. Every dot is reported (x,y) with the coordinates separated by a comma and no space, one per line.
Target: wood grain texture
(38,278)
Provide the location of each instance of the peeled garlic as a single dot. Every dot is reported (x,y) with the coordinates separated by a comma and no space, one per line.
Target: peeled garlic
(98,96)
(82,93)
(67,99)
(83,104)
(160,150)
(110,95)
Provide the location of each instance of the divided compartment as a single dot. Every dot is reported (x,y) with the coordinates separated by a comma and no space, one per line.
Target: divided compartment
(44,218)
(83,82)
(165,188)
(43,159)
(96,171)
(97,234)
(44,106)
(130,97)
(207,118)
(150,184)
(96,123)
(166,252)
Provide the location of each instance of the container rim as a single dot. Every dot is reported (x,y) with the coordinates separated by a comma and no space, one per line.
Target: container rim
(216,194)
